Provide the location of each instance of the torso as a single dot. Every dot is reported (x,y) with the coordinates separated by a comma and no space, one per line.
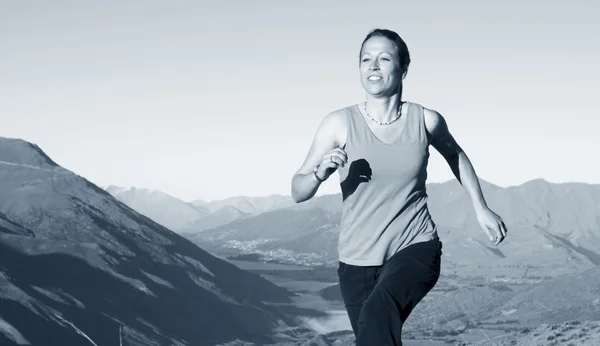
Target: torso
(383,185)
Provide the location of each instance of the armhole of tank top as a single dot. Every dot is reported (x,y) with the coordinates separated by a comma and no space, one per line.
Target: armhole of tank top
(348,114)
(423,125)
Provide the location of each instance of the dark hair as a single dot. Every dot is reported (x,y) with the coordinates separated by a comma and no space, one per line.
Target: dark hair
(397,40)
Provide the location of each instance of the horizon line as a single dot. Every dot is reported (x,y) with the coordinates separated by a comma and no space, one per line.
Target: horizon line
(333,194)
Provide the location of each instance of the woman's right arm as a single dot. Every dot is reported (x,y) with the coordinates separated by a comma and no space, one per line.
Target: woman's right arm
(325,152)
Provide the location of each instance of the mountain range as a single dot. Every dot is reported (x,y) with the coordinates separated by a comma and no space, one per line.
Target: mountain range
(195,216)
(246,204)
(161,207)
(553,229)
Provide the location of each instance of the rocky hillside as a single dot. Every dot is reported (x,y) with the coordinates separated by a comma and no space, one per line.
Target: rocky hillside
(79,267)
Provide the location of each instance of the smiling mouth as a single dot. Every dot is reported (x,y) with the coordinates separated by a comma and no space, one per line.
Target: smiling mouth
(374,78)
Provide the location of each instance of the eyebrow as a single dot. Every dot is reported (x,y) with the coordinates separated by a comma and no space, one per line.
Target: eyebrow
(385,52)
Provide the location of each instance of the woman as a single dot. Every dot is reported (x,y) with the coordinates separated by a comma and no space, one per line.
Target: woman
(389,250)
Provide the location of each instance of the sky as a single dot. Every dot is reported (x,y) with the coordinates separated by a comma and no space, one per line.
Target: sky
(208,100)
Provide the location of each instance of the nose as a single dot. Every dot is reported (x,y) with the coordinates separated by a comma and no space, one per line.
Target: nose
(373,65)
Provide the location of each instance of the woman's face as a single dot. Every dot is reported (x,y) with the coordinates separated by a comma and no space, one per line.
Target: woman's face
(380,72)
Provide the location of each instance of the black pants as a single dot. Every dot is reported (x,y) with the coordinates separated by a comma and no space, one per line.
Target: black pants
(379,299)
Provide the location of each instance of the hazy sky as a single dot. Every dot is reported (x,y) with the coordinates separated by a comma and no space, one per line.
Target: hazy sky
(213,99)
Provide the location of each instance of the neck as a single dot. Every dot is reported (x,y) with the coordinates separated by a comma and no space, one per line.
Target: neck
(383,109)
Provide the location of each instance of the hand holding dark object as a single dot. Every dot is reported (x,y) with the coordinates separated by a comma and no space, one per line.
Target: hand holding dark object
(330,162)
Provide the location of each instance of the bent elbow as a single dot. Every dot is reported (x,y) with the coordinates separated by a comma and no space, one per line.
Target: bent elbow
(294,194)
(299,193)
(296,198)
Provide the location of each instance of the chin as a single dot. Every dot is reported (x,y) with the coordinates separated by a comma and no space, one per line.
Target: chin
(378,92)
(373,89)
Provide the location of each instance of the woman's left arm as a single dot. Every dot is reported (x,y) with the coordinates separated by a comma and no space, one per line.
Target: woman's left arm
(463,170)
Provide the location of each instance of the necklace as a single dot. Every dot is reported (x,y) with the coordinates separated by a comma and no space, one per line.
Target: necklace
(389,122)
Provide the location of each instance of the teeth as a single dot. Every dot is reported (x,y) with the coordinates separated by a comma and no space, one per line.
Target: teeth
(374,78)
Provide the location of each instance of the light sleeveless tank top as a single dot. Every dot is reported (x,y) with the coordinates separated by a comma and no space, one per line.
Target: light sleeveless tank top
(384,205)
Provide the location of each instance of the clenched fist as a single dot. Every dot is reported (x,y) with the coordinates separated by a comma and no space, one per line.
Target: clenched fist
(331,161)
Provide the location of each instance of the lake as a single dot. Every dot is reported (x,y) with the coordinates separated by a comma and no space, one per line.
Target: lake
(295,279)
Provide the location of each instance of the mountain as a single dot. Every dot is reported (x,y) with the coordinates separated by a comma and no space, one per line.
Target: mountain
(196,216)
(163,208)
(554,229)
(568,210)
(79,267)
(301,234)
(551,226)
(221,216)
(247,205)
(7,227)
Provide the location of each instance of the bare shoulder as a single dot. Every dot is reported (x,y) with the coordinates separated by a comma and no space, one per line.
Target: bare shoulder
(438,132)
(434,121)
(335,124)
(330,134)
(337,117)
